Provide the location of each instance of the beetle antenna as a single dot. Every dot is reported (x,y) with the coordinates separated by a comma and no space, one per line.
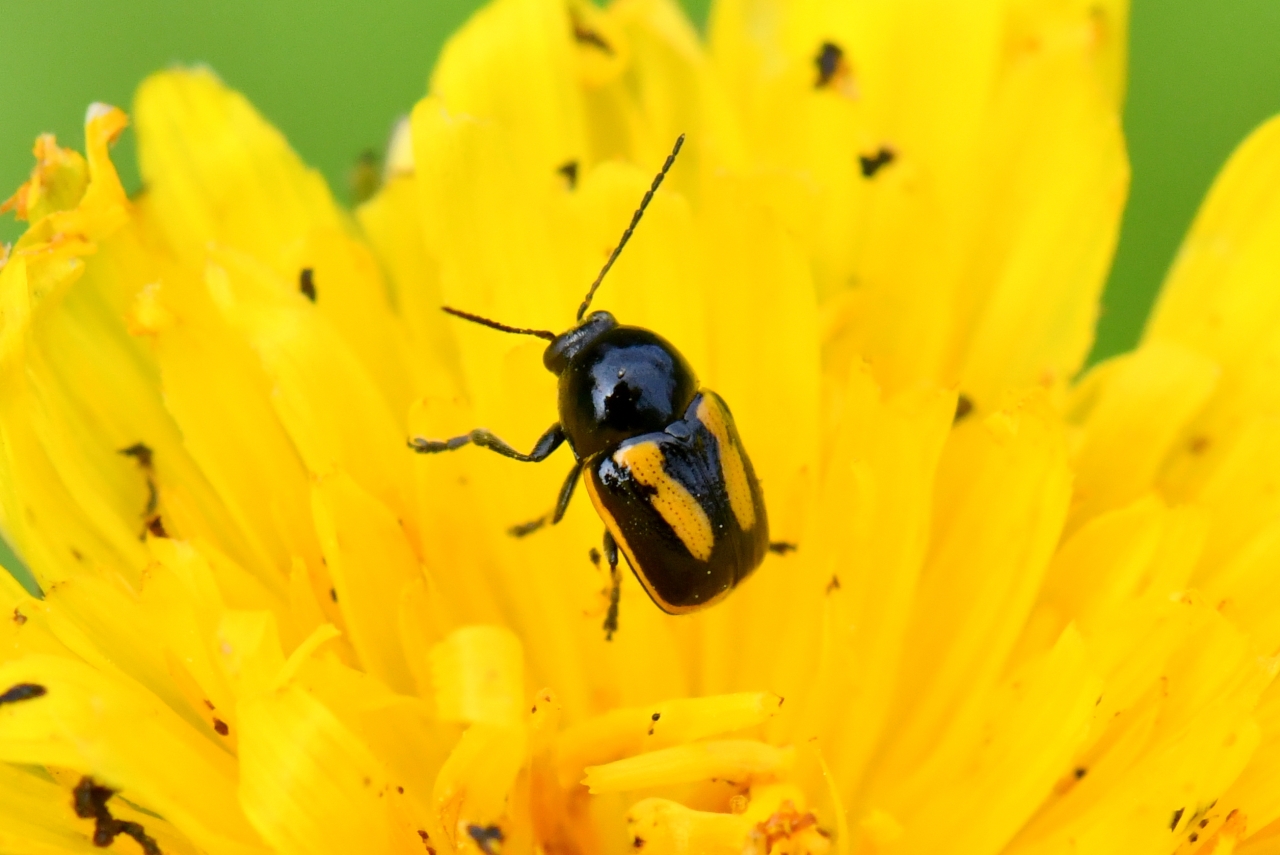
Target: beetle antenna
(635,220)
(485,322)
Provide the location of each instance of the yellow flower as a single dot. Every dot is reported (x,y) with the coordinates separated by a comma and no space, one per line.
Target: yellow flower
(1026,614)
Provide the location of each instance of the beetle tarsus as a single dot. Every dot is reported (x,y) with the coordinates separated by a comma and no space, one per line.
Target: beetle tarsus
(422,445)
(782,547)
(546,444)
(527,528)
(615,586)
(562,505)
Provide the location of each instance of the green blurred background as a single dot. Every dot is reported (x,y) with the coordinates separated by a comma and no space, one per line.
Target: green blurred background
(335,76)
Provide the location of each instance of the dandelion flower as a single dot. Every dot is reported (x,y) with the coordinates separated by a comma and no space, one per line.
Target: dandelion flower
(1027,613)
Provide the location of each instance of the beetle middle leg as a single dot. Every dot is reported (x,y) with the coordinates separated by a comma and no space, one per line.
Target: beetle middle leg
(562,504)
(546,444)
(615,585)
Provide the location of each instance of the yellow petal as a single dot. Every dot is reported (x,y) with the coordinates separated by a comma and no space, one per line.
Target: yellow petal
(36,818)
(57,182)
(1135,423)
(474,784)
(217,172)
(231,430)
(623,732)
(323,397)
(736,760)
(986,223)
(1123,554)
(1216,300)
(249,651)
(371,562)
(1052,217)
(867,546)
(1169,751)
(128,740)
(306,783)
(1037,721)
(1001,498)
(478,673)
(204,152)
(663,827)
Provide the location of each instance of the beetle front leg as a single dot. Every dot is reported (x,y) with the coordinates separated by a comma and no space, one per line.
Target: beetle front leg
(547,443)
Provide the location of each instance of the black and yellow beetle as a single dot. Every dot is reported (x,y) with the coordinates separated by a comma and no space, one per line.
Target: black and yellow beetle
(665,468)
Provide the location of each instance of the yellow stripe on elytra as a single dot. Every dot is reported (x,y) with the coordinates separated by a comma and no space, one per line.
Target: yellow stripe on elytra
(711,414)
(670,499)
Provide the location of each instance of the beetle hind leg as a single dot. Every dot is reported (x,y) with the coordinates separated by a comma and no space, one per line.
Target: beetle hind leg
(562,505)
(615,586)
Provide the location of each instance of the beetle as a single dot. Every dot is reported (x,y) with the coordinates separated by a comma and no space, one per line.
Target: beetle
(665,467)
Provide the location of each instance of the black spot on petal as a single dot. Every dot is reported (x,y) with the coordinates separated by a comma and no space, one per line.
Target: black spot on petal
(584,35)
(155,525)
(140,452)
(829,59)
(22,692)
(873,163)
(145,457)
(487,837)
(569,170)
(90,802)
(307,283)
